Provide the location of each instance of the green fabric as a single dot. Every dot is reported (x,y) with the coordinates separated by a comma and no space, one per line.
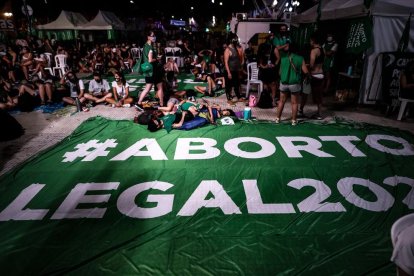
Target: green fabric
(168,121)
(291,76)
(116,199)
(359,35)
(279,41)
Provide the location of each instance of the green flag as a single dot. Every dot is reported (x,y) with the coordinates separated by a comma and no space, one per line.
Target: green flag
(405,37)
(247,199)
(359,35)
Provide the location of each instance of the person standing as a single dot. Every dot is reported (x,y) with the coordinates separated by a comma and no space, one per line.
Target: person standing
(233,60)
(292,66)
(156,76)
(317,79)
(330,47)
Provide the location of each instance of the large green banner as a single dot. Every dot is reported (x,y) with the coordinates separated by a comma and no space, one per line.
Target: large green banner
(245,199)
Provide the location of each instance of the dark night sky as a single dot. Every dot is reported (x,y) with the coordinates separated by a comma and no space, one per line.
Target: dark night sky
(123,8)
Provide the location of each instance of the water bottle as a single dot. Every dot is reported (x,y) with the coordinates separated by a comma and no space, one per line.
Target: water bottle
(349,70)
(247,113)
(78,104)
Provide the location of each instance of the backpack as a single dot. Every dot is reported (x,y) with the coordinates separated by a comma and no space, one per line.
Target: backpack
(144,117)
(265,100)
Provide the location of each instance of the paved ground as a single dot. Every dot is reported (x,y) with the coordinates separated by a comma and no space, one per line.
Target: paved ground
(44,130)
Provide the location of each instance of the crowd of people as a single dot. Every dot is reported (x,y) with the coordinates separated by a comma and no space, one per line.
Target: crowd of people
(27,70)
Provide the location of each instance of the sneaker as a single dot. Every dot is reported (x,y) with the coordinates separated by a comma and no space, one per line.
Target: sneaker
(126,105)
(294,122)
(85,109)
(277,120)
(139,107)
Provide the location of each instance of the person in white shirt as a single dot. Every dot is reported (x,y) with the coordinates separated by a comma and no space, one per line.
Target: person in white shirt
(98,90)
(120,89)
(76,89)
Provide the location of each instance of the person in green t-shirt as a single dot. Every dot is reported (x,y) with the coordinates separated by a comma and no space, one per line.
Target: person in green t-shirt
(292,66)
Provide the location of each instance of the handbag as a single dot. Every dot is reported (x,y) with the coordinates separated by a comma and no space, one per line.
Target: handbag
(147,69)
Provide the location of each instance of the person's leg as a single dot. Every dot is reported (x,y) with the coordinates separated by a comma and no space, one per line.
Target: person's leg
(201,89)
(25,72)
(281,105)
(49,92)
(103,99)
(236,83)
(69,100)
(303,100)
(144,92)
(160,93)
(294,98)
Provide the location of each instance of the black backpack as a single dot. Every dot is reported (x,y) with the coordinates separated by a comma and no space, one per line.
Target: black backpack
(265,100)
(144,117)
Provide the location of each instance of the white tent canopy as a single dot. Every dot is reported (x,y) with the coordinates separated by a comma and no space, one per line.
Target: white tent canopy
(104,20)
(66,21)
(333,9)
(389,19)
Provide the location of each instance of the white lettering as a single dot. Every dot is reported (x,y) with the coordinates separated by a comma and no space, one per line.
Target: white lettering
(312,146)
(126,201)
(220,200)
(384,199)
(153,150)
(205,146)
(373,141)
(232,147)
(345,142)
(255,203)
(78,196)
(395,180)
(313,203)
(16,211)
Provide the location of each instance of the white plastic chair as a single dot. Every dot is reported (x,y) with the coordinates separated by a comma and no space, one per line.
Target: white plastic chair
(253,79)
(135,53)
(60,65)
(403,106)
(49,63)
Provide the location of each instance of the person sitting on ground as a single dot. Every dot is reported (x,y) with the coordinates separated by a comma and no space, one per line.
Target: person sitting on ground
(120,93)
(38,87)
(6,102)
(212,86)
(76,89)
(99,89)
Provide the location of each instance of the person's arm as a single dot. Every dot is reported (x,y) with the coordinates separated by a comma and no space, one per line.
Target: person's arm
(180,124)
(312,58)
(277,55)
(210,111)
(115,93)
(226,62)
(81,89)
(241,54)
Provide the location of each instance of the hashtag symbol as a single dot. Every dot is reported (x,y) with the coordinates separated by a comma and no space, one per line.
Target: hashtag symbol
(90,150)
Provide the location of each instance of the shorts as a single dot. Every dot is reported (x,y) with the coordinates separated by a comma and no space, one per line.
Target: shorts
(292,88)
(174,101)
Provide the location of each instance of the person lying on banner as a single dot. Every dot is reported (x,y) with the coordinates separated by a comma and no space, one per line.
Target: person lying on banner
(168,120)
